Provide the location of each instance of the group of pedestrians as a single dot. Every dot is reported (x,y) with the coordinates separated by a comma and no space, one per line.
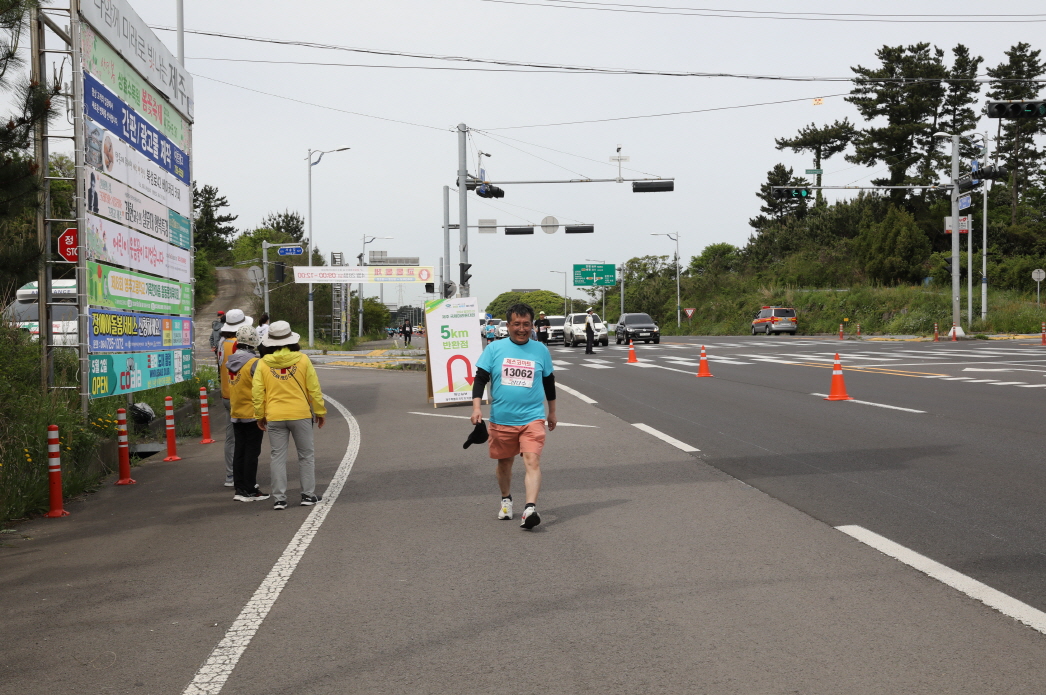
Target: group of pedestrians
(267,385)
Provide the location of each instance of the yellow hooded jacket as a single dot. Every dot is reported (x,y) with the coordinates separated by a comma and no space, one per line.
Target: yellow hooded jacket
(285,385)
(225,350)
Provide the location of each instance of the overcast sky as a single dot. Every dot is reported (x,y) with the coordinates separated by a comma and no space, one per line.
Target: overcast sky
(252,146)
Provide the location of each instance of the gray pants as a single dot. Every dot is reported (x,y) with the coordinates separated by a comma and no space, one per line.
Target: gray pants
(230,440)
(280,433)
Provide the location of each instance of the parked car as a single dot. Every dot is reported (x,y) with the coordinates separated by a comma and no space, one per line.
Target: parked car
(24,311)
(502,329)
(555,329)
(574,330)
(775,319)
(637,327)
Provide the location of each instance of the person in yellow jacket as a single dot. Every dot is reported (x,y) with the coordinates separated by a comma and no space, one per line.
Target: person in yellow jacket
(287,402)
(234,320)
(242,365)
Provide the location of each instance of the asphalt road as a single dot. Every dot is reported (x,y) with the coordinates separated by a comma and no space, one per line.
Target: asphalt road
(652,572)
(961,481)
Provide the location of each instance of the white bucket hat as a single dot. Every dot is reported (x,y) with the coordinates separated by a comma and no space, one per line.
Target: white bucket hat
(234,318)
(280,333)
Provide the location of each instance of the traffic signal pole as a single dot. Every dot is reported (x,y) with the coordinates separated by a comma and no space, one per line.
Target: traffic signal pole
(463,224)
(956,310)
(984,243)
(444,269)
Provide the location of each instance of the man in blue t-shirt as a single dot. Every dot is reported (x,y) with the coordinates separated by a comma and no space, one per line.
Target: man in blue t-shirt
(514,368)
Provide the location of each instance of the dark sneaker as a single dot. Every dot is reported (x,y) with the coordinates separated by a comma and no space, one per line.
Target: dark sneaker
(309,500)
(255,496)
(242,496)
(530,518)
(279,505)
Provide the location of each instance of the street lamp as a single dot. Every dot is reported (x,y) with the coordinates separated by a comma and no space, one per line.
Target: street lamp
(308,244)
(564,273)
(593,260)
(674,237)
(366,240)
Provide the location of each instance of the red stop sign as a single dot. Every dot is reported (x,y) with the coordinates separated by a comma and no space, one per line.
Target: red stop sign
(67,243)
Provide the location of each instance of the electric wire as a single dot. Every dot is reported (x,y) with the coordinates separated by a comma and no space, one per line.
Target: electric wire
(499,137)
(530,154)
(782,12)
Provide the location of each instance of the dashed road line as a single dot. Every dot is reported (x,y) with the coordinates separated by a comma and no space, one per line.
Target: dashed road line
(469,417)
(576,394)
(664,437)
(877,405)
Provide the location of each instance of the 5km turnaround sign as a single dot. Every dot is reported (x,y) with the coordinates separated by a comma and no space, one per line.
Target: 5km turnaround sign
(453,335)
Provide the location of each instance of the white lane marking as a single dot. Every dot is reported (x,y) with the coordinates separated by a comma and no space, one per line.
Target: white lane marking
(1034,386)
(561,363)
(211,677)
(725,360)
(469,417)
(576,394)
(877,405)
(983,381)
(661,366)
(597,366)
(954,378)
(664,437)
(684,363)
(976,369)
(993,598)
(643,364)
(1009,383)
(595,361)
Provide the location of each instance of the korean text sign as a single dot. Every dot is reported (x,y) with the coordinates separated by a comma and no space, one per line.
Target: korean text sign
(368,274)
(115,288)
(127,372)
(453,335)
(120,331)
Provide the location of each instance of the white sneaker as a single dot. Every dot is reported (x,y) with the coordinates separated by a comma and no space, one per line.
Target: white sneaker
(506,508)
(530,518)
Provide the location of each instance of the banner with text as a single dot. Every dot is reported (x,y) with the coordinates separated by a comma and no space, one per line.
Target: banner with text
(129,291)
(125,372)
(102,105)
(110,198)
(366,273)
(110,242)
(120,331)
(454,346)
(109,154)
(121,26)
(104,63)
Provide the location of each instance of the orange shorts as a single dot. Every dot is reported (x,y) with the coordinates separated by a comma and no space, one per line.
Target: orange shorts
(507,441)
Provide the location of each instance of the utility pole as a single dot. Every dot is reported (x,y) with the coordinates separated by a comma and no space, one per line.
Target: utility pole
(463,225)
(956,298)
(622,271)
(308,246)
(984,242)
(674,236)
(444,269)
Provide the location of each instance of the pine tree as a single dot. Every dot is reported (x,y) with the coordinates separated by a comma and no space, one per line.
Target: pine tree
(824,143)
(212,229)
(290,223)
(778,208)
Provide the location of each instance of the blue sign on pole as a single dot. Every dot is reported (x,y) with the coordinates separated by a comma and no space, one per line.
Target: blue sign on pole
(965,202)
(290,250)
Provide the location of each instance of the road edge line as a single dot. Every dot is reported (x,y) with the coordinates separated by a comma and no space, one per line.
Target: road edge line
(877,405)
(219,665)
(665,438)
(993,598)
(576,394)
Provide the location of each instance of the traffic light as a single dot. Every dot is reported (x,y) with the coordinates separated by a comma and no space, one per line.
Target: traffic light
(948,265)
(430,288)
(449,288)
(280,265)
(793,193)
(519,230)
(992,173)
(580,229)
(1016,109)
(653,186)
(487,191)
(465,275)
(968,182)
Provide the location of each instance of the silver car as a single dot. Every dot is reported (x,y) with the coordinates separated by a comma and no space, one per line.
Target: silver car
(574,330)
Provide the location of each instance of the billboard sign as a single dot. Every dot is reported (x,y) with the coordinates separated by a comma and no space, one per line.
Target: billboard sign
(367,273)
(127,372)
(102,105)
(121,331)
(115,288)
(594,274)
(121,26)
(110,242)
(454,347)
(104,63)
(110,198)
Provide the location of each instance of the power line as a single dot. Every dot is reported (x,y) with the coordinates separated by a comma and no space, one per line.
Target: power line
(781,12)
(500,138)
(697,12)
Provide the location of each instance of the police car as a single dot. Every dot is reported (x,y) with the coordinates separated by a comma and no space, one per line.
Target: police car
(775,319)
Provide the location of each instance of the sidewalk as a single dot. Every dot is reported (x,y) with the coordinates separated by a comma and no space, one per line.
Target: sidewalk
(652,572)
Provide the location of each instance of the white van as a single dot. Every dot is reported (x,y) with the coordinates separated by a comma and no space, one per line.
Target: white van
(24,311)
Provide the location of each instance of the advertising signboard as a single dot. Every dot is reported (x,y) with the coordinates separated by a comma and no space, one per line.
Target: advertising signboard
(127,372)
(103,106)
(121,331)
(110,198)
(594,274)
(103,62)
(365,273)
(454,347)
(114,157)
(121,26)
(110,242)
(129,291)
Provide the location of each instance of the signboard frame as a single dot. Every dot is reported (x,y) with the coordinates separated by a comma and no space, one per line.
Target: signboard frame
(118,373)
(452,335)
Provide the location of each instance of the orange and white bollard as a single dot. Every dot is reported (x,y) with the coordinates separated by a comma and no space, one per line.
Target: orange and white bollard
(172,445)
(1044,334)
(838,390)
(702,369)
(955,334)
(54,473)
(205,417)
(841,332)
(121,447)
(858,330)
(936,335)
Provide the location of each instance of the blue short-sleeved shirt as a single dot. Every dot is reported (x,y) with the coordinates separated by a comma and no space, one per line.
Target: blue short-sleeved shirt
(517,394)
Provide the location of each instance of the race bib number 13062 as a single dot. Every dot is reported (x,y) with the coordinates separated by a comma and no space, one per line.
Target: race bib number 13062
(517,372)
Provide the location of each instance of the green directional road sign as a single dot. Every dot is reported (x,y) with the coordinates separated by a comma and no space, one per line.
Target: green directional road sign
(815,172)
(594,274)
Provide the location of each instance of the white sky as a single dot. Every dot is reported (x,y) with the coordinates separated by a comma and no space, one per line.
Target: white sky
(253,147)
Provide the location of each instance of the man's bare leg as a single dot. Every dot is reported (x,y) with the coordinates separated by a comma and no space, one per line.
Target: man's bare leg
(504,473)
(533,476)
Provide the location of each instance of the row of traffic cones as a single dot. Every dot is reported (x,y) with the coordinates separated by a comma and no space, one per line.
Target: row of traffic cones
(837,392)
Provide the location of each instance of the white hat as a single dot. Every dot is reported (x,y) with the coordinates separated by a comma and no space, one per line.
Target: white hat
(280,333)
(588,309)
(247,335)
(234,318)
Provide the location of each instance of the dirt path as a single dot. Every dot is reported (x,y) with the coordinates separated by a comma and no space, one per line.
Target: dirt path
(234,292)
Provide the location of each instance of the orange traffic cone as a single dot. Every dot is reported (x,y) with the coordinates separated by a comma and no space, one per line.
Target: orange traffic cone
(955,334)
(631,353)
(702,369)
(838,390)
